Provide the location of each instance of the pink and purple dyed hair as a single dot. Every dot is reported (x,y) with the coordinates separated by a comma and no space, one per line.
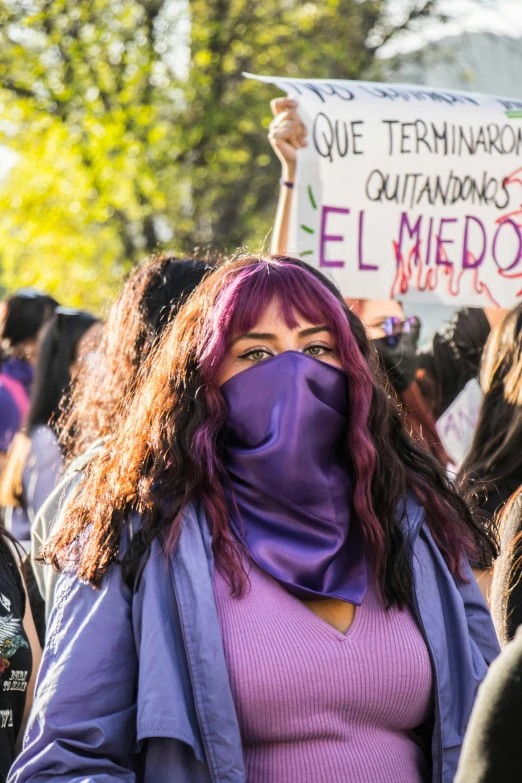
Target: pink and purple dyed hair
(166,450)
(241,303)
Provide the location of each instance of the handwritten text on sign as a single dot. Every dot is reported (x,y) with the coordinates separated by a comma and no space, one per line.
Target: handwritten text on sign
(410,192)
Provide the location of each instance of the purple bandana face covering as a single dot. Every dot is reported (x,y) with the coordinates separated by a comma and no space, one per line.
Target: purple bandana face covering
(285,455)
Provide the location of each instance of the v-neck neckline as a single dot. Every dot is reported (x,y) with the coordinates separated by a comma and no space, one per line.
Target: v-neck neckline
(312,619)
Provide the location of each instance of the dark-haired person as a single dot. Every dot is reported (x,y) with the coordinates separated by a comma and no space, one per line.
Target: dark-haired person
(34,462)
(492,469)
(494,465)
(453,360)
(150,298)
(394,336)
(274,573)
(19,653)
(22,317)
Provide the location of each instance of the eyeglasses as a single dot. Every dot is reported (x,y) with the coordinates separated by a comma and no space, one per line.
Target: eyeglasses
(394,328)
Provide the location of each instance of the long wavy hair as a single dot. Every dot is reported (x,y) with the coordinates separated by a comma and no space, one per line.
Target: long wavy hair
(508,570)
(150,299)
(495,454)
(167,451)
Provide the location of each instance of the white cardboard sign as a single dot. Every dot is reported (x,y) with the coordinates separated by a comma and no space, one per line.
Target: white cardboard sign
(410,192)
(456,426)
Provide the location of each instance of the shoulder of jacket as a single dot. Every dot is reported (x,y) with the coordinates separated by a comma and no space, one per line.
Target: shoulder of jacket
(80,462)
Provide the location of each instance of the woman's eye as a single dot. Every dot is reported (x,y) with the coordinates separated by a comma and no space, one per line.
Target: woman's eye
(257,355)
(317,350)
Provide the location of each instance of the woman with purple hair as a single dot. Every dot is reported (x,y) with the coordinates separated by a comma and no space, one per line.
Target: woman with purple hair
(264,577)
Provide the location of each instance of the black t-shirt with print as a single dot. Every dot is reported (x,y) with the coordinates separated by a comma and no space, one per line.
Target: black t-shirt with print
(15,657)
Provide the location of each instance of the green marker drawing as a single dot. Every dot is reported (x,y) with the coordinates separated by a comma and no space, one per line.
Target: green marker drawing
(307,253)
(514,115)
(311,197)
(308,230)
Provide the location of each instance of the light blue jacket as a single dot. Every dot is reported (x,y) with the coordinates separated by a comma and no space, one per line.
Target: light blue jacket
(133,686)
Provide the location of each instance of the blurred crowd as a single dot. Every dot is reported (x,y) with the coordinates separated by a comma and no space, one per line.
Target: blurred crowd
(74,388)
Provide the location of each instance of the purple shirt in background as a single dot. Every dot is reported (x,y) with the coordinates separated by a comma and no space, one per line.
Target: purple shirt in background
(41,474)
(10,418)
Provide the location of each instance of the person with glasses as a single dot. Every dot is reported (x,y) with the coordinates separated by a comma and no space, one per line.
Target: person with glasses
(394,336)
(395,339)
(22,318)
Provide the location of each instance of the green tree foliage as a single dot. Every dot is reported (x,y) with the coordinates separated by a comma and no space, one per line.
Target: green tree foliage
(133,125)
(229,115)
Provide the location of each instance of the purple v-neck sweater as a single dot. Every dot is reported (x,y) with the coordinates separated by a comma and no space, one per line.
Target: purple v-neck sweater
(317,706)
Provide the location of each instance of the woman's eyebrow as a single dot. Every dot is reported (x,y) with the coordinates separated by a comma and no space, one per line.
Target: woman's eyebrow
(314,330)
(254,336)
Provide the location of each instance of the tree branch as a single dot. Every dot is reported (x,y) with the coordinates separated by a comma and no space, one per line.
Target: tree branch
(18,89)
(415,14)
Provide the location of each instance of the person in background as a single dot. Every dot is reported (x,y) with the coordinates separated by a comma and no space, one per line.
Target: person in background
(149,301)
(499,461)
(492,751)
(22,317)
(394,336)
(492,469)
(454,357)
(19,653)
(396,339)
(283,592)
(35,461)
(506,594)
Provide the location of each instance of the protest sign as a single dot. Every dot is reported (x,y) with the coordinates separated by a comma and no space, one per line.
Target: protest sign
(457,425)
(410,192)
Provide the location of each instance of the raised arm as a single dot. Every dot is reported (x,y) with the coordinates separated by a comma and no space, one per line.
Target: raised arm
(287,134)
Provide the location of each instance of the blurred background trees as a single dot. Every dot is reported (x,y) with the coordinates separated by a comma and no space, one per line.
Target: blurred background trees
(133,127)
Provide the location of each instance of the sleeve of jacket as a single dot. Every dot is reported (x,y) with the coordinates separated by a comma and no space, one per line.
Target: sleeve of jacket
(82,727)
(480,624)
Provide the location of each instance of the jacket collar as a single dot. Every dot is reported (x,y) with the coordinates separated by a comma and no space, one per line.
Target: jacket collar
(411,515)
(194,591)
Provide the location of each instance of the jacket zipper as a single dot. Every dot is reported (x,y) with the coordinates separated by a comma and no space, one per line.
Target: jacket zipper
(212,772)
(435,681)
